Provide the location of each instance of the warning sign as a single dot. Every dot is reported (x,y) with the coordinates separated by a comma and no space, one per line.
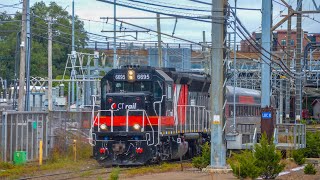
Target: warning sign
(216,119)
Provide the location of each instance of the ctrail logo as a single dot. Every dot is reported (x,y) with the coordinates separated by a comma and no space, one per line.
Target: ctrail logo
(123,106)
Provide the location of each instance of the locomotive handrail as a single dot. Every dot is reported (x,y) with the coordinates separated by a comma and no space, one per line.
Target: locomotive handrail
(111,112)
(195,113)
(159,116)
(144,114)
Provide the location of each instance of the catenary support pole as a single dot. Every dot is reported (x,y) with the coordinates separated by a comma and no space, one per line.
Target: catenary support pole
(235,74)
(159,41)
(115,64)
(218,158)
(288,83)
(298,81)
(266,45)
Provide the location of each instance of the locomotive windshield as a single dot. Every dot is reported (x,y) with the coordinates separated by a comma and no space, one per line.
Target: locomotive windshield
(123,86)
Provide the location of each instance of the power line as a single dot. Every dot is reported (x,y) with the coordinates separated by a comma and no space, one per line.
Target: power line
(171,7)
(162,13)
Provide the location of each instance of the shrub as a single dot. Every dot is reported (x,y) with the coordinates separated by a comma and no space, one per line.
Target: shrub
(312,149)
(243,165)
(267,158)
(309,169)
(298,157)
(114,175)
(203,160)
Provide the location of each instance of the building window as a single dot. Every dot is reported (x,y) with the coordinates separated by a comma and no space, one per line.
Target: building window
(291,42)
(283,42)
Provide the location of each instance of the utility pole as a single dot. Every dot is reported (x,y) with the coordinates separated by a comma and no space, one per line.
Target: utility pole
(298,82)
(49,65)
(288,83)
(266,46)
(73,59)
(159,41)
(22,57)
(115,64)
(217,157)
(28,58)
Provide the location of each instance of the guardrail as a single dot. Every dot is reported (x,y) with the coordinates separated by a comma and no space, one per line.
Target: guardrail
(290,136)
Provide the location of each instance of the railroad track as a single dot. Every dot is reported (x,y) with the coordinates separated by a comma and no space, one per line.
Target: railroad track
(70,174)
(95,171)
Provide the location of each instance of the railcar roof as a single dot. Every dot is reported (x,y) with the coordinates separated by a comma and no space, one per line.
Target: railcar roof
(243,91)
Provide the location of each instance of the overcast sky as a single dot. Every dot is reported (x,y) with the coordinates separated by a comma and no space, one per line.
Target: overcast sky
(188,29)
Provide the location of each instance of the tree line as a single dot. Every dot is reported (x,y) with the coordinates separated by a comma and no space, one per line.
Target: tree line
(10,27)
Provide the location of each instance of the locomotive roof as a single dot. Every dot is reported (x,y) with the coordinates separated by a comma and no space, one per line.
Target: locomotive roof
(164,75)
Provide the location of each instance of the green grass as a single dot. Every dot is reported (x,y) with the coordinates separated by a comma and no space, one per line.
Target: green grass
(32,169)
(86,174)
(57,160)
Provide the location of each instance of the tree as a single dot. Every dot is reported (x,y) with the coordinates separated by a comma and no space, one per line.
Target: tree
(61,39)
(313,145)
(244,165)
(268,159)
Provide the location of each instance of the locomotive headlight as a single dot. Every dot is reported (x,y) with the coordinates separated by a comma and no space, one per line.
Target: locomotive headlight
(131,75)
(136,126)
(103,127)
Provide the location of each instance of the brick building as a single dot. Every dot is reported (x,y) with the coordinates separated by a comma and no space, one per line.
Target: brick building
(279,42)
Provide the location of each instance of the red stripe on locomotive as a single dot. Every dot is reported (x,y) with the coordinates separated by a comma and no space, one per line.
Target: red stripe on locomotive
(121,120)
(183,100)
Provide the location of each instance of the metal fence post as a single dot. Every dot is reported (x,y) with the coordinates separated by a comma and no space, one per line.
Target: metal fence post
(4,136)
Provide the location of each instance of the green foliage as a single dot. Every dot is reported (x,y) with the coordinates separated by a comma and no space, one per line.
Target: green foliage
(312,149)
(61,39)
(268,159)
(203,160)
(298,156)
(243,165)
(309,169)
(114,175)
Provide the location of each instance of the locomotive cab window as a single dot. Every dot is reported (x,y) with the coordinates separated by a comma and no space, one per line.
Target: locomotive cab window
(157,89)
(122,86)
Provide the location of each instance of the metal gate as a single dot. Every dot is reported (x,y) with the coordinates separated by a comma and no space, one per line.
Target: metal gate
(22,131)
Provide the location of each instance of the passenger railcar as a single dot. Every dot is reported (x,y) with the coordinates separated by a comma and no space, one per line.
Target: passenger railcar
(149,114)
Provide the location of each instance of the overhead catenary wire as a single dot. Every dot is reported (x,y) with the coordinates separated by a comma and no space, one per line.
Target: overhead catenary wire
(282,66)
(170,7)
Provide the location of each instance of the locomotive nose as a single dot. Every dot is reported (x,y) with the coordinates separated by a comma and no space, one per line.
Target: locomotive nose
(127,101)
